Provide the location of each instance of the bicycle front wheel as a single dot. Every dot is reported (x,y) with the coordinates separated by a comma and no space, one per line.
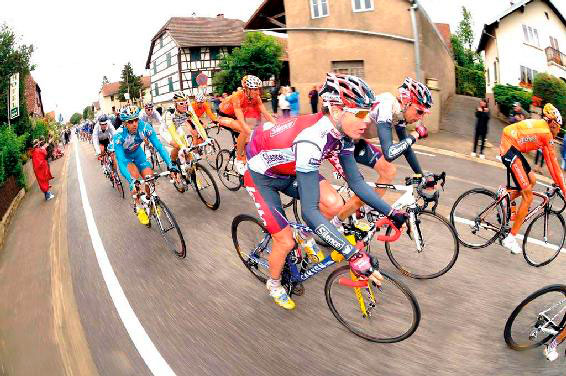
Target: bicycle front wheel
(170,230)
(385,315)
(211,151)
(227,171)
(543,309)
(477,218)
(206,187)
(429,251)
(117,183)
(253,245)
(544,239)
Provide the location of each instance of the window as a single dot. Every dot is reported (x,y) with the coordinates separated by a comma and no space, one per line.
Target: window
(195,54)
(111,98)
(362,5)
(554,43)
(194,75)
(528,75)
(319,8)
(530,35)
(168,57)
(546,14)
(154,66)
(214,53)
(487,73)
(161,41)
(354,67)
(170,81)
(155,89)
(495,71)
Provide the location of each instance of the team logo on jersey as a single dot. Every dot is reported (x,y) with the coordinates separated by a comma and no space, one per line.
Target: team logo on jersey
(280,128)
(277,157)
(527,139)
(314,162)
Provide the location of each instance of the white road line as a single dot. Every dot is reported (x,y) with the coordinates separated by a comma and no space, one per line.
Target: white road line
(138,335)
(554,247)
(423,153)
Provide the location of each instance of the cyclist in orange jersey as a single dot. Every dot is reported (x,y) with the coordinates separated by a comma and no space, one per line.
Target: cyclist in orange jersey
(232,114)
(200,107)
(522,137)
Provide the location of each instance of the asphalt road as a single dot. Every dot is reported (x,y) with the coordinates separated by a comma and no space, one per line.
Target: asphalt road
(207,315)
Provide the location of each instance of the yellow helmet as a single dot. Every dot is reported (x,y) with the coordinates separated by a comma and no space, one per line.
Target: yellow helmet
(551,113)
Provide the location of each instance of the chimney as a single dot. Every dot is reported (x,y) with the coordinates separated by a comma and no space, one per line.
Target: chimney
(220,15)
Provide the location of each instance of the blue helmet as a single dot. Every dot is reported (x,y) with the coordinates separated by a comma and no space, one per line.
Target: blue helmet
(129,113)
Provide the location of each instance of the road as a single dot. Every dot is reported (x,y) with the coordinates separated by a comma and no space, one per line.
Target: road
(206,315)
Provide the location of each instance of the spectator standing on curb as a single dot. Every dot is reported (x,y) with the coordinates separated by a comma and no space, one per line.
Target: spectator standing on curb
(518,113)
(283,104)
(117,122)
(313,95)
(563,153)
(482,116)
(293,99)
(41,168)
(539,158)
(274,91)
(215,103)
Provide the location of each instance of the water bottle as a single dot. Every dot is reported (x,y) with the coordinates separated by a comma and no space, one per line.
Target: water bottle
(307,242)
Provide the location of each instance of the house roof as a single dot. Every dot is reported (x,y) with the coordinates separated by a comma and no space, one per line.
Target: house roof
(50,115)
(201,32)
(488,28)
(96,105)
(268,8)
(114,87)
(445,33)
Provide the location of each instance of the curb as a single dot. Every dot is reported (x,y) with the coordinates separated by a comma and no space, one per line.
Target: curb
(7,218)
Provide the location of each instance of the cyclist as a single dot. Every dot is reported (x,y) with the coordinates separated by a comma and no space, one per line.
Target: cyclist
(286,158)
(522,137)
(149,115)
(102,135)
(181,118)
(234,109)
(200,107)
(130,156)
(413,101)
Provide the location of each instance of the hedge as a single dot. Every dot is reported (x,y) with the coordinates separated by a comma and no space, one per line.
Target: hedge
(470,82)
(11,147)
(506,95)
(551,90)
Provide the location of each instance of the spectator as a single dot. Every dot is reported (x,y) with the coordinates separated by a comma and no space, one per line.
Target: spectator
(482,115)
(117,122)
(293,99)
(224,95)
(283,104)
(313,95)
(518,113)
(539,158)
(41,167)
(216,99)
(274,99)
(563,153)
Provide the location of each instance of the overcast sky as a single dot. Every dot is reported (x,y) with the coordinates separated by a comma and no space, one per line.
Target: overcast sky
(78,42)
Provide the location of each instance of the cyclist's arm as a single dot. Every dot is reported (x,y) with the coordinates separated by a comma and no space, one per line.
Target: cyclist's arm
(390,150)
(553,167)
(95,141)
(265,113)
(409,154)
(122,163)
(238,112)
(152,136)
(209,112)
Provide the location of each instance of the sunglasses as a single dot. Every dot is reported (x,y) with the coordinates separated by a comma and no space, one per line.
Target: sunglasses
(182,103)
(420,112)
(131,121)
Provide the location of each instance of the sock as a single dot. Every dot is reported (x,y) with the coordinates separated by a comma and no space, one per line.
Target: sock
(273,283)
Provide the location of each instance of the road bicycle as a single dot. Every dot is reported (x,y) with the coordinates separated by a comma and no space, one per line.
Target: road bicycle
(225,165)
(481,217)
(386,314)
(195,174)
(153,156)
(111,172)
(159,213)
(537,320)
(430,245)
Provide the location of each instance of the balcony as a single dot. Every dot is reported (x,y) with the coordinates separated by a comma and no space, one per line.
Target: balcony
(555,56)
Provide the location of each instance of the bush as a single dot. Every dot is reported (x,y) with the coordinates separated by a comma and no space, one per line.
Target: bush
(11,156)
(40,130)
(506,95)
(470,82)
(551,90)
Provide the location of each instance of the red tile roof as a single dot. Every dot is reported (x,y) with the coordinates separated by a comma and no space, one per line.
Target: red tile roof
(114,87)
(444,30)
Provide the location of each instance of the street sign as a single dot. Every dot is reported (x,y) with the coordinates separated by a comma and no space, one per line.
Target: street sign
(202,79)
(127,96)
(14,95)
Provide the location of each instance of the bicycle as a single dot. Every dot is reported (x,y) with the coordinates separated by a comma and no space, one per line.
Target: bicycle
(543,322)
(153,155)
(425,251)
(111,173)
(481,217)
(192,172)
(374,304)
(225,161)
(160,214)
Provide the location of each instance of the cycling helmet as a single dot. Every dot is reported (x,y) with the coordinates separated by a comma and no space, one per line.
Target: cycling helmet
(199,98)
(180,97)
(551,113)
(129,113)
(413,91)
(148,106)
(347,90)
(251,82)
(103,119)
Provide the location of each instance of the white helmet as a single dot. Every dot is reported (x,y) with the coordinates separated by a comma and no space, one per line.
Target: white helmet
(251,82)
(199,97)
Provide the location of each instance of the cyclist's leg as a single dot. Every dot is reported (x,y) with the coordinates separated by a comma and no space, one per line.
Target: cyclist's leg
(524,179)
(241,128)
(330,202)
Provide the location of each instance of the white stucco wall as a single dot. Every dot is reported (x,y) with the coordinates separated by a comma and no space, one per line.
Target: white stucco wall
(164,72)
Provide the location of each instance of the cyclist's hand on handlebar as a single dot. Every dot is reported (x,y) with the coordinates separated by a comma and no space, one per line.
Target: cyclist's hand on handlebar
(422,131)
(398,218)
(365,265)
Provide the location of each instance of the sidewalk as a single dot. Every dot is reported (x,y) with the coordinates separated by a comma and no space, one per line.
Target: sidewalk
(40,330)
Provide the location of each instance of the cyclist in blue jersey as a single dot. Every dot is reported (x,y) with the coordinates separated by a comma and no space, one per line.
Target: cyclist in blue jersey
(131,158)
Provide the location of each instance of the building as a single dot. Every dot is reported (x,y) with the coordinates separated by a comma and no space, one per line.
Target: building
(523,41)
(186,47)
(373,39)
(109,97)
(32,93)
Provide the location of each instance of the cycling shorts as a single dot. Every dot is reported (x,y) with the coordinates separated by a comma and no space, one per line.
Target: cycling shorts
(104,143)
(517,168)
(366,153)
(222,114)
(265,193)
(138,158)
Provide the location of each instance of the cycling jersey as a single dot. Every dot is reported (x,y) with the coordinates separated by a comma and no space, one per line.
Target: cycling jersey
(201,108)
(185,119)
(530,135)
(98,136)
(128,150)
(154,119)
(239,100)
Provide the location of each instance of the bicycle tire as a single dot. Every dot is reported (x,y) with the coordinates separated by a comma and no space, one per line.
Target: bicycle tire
(211,152)
(415,309)
(251,266)
(437,229)
(501,217)
(214,205)
(507,332)
(226,171)
(117,183)
(181,251)
(529,255)
(558,208)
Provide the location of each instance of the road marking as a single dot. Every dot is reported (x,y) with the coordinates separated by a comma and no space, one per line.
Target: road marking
(138,335)
(423,153)
(554,247)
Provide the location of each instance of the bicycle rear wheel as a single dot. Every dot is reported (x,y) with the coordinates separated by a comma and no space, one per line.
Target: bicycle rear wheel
(253,245)
(439,248)
(170,230)
(523,327)
(206,187)
(385,315)
(117,183)
(477,218)
(544,239)
(226,170)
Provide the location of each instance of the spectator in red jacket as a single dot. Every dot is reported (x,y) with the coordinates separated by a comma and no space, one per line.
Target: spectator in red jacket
(41,167)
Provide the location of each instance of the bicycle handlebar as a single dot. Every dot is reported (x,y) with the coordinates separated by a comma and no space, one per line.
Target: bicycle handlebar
(387,238)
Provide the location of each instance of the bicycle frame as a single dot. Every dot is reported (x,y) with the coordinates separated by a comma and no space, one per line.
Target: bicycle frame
(543,321)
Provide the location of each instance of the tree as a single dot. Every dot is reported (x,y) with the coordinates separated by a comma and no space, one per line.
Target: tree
(75,118)
(88,113)
(259,54)
(130,83)
(465,30)
(550,89)
(105,80)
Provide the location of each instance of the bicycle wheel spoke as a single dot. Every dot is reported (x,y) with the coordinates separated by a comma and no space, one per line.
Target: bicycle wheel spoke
(169,229)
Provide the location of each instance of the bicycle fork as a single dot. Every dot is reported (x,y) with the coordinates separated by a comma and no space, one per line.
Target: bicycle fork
(415,230)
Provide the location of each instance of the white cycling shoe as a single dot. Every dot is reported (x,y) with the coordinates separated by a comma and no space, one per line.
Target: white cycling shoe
(550,352)
(510,242)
